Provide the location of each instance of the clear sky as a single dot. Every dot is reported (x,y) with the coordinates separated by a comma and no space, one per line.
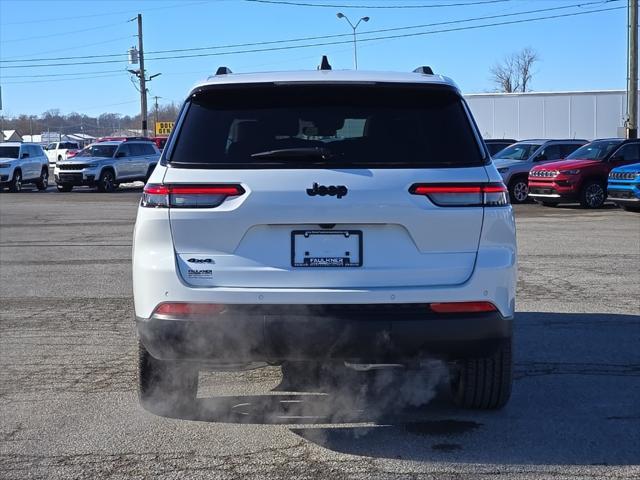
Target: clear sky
(580,52)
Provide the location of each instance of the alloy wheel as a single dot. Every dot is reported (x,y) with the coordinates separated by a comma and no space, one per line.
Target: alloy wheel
(594,195)
(520,191)
(17,182)
(107,182)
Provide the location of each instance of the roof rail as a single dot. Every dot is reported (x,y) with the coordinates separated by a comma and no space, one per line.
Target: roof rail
(425,69)
(129,139)
(324,64)
(223,71)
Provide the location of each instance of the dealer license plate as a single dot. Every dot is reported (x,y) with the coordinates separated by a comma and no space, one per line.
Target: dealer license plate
(326,248)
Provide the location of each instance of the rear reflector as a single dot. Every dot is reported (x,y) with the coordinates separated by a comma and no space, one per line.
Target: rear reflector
(462,307)
(188,196)
(188,309)
(464,195)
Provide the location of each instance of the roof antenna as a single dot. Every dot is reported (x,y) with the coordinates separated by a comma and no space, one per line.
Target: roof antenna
(324,64)
(223,71)
(424,69)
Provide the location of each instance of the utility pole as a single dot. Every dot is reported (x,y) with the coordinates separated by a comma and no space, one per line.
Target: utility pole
(135,57)
(632,65)
(143,80)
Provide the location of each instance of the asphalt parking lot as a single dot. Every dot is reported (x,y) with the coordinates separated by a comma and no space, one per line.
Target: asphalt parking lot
(68,402)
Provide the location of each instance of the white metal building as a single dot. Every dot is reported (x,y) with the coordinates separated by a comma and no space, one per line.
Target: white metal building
(588,115)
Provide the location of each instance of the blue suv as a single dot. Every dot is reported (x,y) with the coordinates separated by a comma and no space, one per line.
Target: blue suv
(624,187)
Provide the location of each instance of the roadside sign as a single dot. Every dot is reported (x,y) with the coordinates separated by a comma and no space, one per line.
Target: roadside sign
(163,128)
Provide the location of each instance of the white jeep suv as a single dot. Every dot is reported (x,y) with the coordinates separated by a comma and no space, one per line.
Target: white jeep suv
(324,216)
(22,163)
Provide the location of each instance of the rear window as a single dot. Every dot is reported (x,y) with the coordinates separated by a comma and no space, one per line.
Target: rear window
(148,149)
(296,126)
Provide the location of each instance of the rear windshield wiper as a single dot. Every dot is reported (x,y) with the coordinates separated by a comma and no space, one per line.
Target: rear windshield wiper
(308,152)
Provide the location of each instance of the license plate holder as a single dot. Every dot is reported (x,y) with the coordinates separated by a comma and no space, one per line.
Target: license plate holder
(326,248)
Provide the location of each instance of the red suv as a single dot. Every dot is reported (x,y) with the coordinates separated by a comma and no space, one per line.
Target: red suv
(582,176)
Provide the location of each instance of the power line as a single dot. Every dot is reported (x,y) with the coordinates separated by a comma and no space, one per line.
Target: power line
(75,47)
(325,5)
(72,32)
(369,32)
(321,44)
(106,14)
(301,39)
(393,37)
(87,77)
(62,74)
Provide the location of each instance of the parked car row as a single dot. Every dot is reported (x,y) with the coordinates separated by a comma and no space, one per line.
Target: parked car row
(548,171)
(582,177)
(515,161)
(552,172)
(103,165)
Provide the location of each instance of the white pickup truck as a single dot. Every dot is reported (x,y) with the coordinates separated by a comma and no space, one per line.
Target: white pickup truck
(57,151)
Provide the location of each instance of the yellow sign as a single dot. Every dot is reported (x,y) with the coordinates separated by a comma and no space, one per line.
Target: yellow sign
(163,128)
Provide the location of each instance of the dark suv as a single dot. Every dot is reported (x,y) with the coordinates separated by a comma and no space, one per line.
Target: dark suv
(494,145)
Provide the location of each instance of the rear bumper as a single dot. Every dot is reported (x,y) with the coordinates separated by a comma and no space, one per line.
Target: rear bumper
(358,333)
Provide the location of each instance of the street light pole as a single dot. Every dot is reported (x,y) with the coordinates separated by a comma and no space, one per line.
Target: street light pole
(354,27)
(632,66)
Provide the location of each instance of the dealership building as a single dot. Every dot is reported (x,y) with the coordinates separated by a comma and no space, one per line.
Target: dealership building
(588,115)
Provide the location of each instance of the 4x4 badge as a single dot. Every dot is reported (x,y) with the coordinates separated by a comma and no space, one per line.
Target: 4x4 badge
(333,190)
(201,260)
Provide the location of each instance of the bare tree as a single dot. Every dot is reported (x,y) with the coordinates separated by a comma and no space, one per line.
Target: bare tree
(514,73)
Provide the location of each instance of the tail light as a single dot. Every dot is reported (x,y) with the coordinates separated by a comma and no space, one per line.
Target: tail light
(462,307)
(188,196)
(464,195)
(181,309)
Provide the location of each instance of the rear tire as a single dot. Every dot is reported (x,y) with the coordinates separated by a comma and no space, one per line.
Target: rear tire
(15,185)
(518,190)
(166,387)
(593,195)
(43,183)
(483,383)
(63,187)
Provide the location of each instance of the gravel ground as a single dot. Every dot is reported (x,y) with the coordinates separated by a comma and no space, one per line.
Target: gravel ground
(68,404)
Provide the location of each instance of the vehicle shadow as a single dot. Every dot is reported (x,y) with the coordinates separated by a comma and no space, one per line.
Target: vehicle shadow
(569,406)
(577,206)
